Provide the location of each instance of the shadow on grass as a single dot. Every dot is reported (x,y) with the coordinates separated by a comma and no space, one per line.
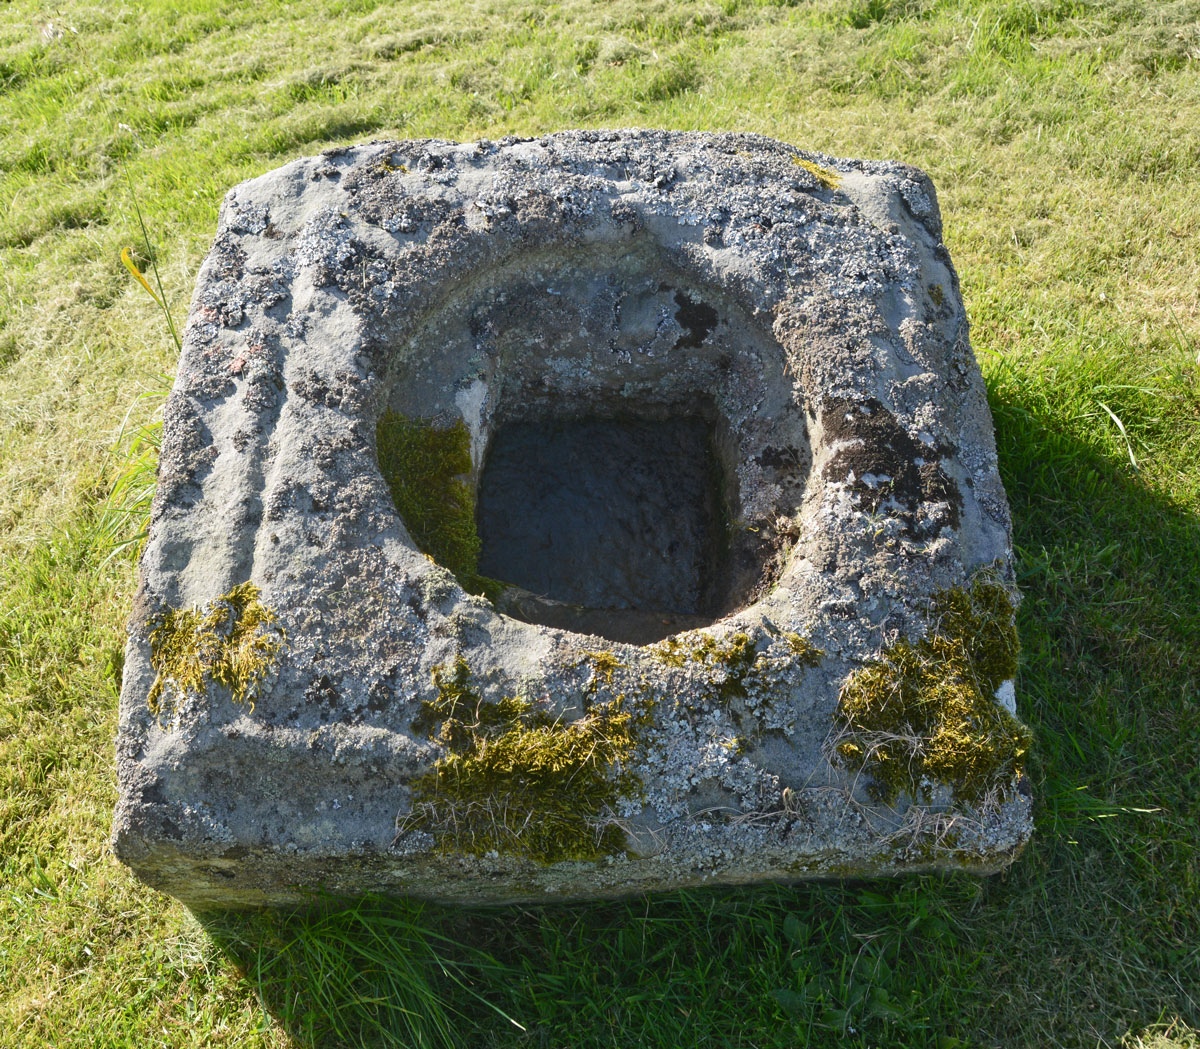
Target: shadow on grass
(1092,935)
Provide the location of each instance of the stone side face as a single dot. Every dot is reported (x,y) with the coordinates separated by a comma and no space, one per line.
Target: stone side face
(354,721)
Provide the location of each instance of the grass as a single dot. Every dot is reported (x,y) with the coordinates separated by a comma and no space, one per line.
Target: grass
(1063,136)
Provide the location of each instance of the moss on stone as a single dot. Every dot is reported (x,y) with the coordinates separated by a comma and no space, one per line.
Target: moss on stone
(828,179)
(926,713)
(425,467)
(233,642)
(735,653)
(730,659)
(671,652)
(604,663)
(518,782)
(807,654)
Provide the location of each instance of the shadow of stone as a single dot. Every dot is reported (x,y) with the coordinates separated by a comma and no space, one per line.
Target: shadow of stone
(1110,624)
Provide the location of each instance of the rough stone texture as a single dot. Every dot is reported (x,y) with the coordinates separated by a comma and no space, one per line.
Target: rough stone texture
(803,306)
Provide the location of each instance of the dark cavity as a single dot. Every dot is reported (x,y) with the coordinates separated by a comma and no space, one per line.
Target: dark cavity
(610,526)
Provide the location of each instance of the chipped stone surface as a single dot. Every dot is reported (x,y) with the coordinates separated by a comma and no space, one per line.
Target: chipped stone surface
(803,306)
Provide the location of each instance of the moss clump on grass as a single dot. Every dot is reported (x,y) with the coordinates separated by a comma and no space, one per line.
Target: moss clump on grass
(515,780)
(233,642)
(926,713)
(424,467)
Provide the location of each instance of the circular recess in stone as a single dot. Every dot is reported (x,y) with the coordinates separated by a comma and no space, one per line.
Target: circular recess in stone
(613,526)
(629,434)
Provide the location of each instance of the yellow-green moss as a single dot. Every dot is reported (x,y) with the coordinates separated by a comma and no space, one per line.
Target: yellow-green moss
(828,179)
(518,782)
(736,653)
(926,713)
(671,652)
(731,659)
(233,642)
(605,664)
(425,469)
(734,656)
(807,654)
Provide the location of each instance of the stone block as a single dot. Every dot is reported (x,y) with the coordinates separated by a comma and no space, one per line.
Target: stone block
(572,517)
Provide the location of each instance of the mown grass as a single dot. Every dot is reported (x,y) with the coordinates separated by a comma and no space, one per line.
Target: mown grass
(1063,136)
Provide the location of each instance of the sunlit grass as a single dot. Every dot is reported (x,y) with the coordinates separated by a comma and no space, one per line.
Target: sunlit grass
(1063,136)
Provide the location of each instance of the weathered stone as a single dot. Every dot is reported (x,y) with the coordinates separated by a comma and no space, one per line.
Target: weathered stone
(730,444)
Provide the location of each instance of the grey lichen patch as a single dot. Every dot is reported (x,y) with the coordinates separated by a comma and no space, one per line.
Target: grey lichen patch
(233,641)
(604,664)
(716,700)
(518,782)
(426,468)
(926,713)
(730,666)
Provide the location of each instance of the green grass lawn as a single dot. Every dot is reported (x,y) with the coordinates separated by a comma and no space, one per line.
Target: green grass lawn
(1064,138)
